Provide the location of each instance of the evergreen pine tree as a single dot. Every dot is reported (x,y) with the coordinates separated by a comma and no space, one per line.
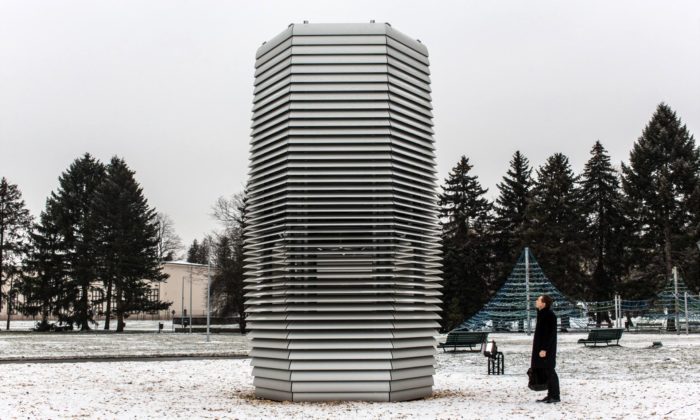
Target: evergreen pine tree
(510,221)
(453,315)
(44,279)
(555,225)
(661,185)
(76,221)
(194,253)
(466,244)
(128,236)
(15,223)
(601,205)
(198,252)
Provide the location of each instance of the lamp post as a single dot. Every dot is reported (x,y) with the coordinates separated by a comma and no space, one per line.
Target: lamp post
(675,300)
(527,287)
(182,305)
(208,290)
(190,300)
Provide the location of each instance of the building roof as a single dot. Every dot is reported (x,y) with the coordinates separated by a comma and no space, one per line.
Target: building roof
(310,29)
(183,263)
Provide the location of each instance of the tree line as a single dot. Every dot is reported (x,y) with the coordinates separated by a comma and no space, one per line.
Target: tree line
(596,233)
(96,242)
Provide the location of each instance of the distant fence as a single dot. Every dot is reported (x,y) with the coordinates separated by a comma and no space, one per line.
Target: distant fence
(667,312)
(202,320)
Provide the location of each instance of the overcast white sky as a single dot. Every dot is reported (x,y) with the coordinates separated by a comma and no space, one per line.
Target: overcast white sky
(168,84)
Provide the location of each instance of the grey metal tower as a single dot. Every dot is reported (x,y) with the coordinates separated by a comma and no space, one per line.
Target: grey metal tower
(342,242)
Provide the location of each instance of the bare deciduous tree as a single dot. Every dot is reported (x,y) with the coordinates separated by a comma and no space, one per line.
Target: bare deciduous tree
(169,243)
(228,211)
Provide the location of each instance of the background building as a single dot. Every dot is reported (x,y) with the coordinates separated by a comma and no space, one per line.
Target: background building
(185,279)
(186,288)
(342,236)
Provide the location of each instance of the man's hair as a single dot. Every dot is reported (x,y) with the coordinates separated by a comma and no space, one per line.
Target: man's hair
(547,300)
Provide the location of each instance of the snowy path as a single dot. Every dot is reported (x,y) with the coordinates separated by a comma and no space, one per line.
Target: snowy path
(632,381)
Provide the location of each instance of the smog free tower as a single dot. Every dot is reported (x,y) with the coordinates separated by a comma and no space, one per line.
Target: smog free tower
(341,241)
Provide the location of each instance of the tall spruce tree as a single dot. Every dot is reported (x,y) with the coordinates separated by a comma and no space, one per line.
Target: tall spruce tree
(661,184)
(128,234)
(466,244)
(555,225)
(76,221)
(510,221)
(198,252)
(605,233)
(15,223)
(44,280)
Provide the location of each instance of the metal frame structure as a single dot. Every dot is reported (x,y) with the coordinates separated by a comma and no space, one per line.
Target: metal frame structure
(511,307)
(342,236)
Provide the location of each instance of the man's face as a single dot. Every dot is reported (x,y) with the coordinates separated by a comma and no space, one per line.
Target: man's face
(539,304)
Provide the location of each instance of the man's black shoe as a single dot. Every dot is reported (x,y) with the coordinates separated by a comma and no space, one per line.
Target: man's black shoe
(552,400)
(544,400)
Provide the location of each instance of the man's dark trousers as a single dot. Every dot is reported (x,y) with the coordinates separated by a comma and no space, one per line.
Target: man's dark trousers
(552,383)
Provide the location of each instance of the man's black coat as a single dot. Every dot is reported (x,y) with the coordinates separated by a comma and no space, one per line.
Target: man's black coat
(545,339)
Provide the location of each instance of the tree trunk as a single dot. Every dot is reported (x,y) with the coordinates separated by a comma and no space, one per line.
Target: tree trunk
(9,305)
(667,250)
(671,323)
(2,247)
(45,310)
(44,320)
(83,312)
(108,311)
(120,310)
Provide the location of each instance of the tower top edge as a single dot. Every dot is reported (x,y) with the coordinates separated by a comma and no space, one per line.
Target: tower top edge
(339,29)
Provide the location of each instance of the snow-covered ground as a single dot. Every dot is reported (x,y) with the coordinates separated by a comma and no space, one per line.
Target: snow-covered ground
(633,381)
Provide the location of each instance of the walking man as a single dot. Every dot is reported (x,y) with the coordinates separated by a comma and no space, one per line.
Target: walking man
(544,347)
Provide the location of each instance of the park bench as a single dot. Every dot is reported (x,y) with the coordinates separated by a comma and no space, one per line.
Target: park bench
(603,335)
(692,325)
(464,339)
(648,326)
